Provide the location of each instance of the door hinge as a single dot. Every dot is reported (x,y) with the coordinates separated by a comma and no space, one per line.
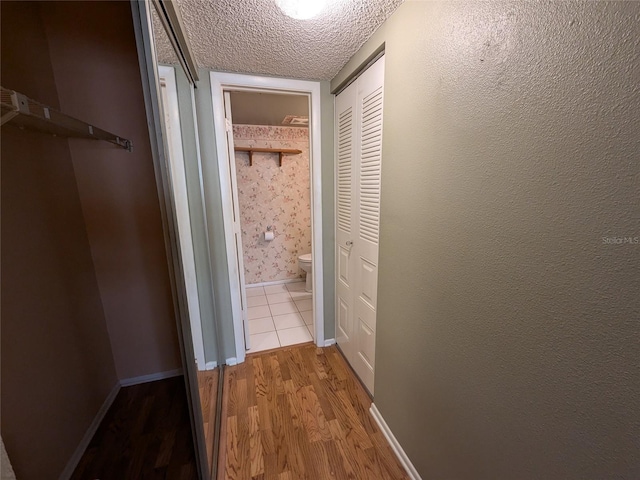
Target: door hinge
(228,125)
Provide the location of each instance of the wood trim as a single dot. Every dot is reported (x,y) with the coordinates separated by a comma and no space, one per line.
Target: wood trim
(393,442)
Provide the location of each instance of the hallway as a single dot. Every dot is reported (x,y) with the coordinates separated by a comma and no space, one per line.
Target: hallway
(300,413)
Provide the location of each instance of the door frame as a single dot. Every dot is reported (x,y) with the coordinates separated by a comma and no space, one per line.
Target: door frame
(221,82)
(183,218)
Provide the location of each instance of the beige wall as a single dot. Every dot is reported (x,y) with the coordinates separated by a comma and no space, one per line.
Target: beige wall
(57,364)
(98,80)
(507,338)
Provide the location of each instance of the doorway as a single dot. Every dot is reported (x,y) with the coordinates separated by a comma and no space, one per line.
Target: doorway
(222,85)
(271,163)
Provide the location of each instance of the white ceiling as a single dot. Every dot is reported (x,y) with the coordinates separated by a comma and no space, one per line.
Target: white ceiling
(254,36)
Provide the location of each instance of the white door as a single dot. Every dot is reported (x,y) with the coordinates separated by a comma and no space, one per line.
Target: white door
(346,227)
(237,231)
(359,161)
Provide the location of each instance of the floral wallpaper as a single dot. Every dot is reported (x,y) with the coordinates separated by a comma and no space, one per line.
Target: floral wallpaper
(276,196)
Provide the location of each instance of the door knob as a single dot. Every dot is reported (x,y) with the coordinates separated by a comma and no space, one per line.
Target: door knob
(349,243)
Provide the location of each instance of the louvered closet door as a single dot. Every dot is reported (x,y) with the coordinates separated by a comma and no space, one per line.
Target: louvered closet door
(360,261)
(346,223)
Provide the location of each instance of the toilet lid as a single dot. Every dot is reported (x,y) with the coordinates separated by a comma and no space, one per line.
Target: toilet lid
(305,258)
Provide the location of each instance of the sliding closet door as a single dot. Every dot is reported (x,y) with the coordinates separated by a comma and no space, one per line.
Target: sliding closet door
(358,201)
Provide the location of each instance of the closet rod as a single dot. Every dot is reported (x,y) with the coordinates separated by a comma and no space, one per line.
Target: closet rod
(24,112)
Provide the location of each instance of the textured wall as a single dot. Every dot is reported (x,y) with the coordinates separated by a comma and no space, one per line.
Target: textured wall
(98,80)
(508,329)
(328,207)
(57,364)
(276,196)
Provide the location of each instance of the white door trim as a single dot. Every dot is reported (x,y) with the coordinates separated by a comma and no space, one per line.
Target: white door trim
(179,183)
(232,81)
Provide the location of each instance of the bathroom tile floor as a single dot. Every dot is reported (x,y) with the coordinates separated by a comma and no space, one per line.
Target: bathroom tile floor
(279,316)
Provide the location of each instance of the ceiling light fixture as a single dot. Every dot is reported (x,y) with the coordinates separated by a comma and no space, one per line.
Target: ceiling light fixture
(301,9)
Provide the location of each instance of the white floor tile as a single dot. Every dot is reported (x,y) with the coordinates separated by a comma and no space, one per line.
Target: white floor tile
(263,341)
(258,312)
(278,298)
(282,308)
(288,320)
(271,289)
(304,305)
(296,286)
(291,336)
(253,291)
(300,295)
(307,317)
(261,325)
(256,301)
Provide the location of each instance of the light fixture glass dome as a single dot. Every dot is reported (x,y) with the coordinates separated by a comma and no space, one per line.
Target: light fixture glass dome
(301,9)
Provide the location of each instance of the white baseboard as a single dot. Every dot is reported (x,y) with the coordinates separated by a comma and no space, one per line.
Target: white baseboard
(127,382)
(231,361)
(329,341)
(210,365)
(91,431)
(395,446)
(276,282)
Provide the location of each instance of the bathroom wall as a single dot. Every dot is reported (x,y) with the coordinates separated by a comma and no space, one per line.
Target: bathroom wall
(273,195)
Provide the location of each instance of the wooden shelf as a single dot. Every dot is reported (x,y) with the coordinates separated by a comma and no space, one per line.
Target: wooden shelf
(27,113)
(280,151)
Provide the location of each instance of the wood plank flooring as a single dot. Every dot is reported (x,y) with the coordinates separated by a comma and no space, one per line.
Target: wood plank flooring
(208,390)
(300,413)
(146,434)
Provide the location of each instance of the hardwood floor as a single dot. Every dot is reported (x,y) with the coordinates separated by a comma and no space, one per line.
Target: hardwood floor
(146,434)
(300,413)
(208,389)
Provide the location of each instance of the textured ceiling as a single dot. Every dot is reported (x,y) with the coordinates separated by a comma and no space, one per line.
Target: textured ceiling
(254,36)
(164,50)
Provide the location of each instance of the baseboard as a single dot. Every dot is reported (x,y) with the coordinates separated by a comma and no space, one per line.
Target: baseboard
(276,282)
(88,436)
(210,365)
(329,341)
(127,382)
(231,361)
(395,446)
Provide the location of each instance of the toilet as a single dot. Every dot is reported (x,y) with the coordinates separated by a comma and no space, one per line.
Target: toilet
(304,262)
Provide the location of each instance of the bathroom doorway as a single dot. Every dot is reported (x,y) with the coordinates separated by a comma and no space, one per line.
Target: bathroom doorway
(265,164)
(272,183)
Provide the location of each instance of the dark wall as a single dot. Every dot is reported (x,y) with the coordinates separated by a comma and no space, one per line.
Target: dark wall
(86,297)
(57,365)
